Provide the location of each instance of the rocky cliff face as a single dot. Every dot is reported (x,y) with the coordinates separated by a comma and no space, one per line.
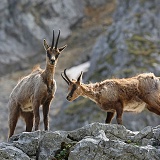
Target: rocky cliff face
(24,24)
(94,141)
(131,44)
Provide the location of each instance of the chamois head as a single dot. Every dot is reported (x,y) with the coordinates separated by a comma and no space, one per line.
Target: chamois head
(53,52)
(74,88)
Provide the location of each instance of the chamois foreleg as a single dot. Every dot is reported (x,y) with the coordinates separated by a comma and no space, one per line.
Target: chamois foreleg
(13,117)
(119,111)
(46,107)
(109,117)
(28,117)
(36,106)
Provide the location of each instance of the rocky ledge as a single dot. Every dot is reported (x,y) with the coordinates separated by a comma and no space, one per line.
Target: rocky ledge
(94,141)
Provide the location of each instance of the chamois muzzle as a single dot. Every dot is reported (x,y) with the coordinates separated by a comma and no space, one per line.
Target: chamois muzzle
(52,61)
(68,98)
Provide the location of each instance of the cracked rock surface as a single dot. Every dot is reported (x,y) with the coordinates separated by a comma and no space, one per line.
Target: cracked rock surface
(94,141)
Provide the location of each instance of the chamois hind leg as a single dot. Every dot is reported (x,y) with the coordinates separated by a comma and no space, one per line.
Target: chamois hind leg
(36,105)
(119,111)
(109,117)
(46,107)
(28,117)
(14,114)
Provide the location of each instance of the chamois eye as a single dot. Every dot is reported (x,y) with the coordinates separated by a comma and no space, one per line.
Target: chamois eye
(56,56)
(74,86)
(48,55)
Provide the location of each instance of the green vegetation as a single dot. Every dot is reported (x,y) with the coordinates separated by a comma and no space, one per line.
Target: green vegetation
(139,45)
(128,141)
(63,152)
(142,52)
(131,142)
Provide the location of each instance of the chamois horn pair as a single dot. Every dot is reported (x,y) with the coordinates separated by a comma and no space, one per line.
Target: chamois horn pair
(65,77)
(56,46)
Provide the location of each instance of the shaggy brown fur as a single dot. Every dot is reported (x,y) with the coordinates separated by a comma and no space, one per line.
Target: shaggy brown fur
(34,90)
(119,95)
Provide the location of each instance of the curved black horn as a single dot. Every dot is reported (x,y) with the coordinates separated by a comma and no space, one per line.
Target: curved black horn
(64,78)
(52,40)
(57,40)
(80,76)
(67,76)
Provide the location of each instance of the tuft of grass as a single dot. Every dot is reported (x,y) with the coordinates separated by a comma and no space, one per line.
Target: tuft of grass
(131,142)
(139,45)
(128,141)
(63,152)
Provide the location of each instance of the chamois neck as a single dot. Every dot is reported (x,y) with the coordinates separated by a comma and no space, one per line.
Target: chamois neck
(50,70)
(48,74)
(90,91)
(50,67)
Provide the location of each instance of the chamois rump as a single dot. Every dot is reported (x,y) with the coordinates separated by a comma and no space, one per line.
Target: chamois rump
(36,89)
(119,95)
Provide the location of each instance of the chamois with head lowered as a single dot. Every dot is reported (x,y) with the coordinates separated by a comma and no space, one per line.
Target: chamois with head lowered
(34,90)
(119,95)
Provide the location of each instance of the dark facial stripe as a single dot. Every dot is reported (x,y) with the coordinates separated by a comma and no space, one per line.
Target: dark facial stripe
(48,55)
(72,91)
(56,56)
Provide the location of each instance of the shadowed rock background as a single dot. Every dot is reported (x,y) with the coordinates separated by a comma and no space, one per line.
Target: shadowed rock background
(118,39)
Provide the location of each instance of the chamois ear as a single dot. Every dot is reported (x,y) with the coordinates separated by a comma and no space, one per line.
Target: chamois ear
(46,46)
(79,79)
(62,48)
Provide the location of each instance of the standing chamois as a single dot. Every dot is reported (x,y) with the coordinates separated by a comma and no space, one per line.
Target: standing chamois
(34,90)
(118,95)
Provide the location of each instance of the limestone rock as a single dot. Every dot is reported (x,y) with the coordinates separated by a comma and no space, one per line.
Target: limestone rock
(130,44)
(8,151)
(93,141)
(24,25)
